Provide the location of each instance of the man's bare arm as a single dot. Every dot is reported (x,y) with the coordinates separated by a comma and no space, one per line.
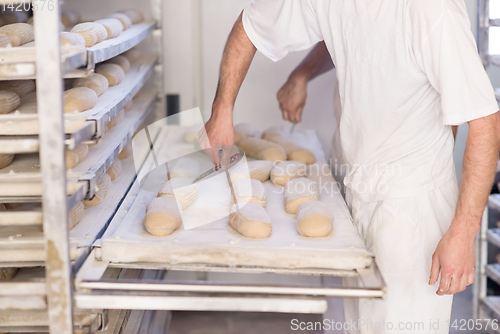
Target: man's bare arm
(454,256)
(292,96)
(236,59)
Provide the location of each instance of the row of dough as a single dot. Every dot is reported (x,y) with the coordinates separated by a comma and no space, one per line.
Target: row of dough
(20,94)
(272,144)
(249,216)
(87,34)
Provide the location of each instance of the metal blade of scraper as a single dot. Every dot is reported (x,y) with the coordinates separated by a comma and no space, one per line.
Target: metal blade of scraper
(233,195)
(293,128)
(217,169)
(151,148)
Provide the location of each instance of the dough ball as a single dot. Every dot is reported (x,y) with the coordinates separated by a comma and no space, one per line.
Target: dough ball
(257,170)
(251,220)
(261,149)
(314,219)
(163,216)
(181,189)
(249,190)
(297,192)
(285,171)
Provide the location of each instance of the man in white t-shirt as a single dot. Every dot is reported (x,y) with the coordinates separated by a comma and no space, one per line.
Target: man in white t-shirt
(408,70)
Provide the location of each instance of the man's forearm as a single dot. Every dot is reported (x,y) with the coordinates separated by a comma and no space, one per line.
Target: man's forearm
(236,59)
(317,62)
(478,172)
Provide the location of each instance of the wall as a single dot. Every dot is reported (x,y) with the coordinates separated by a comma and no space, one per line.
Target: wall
(256,103)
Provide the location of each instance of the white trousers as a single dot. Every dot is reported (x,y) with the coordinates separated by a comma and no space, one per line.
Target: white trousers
(403,234)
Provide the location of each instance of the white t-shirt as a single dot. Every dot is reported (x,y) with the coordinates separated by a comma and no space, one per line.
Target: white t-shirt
(407,70)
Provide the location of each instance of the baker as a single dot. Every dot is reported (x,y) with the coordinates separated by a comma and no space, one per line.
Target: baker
(408,71)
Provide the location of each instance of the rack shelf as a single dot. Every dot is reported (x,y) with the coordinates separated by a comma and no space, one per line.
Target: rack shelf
(113,47)
(76,125)
(19,62)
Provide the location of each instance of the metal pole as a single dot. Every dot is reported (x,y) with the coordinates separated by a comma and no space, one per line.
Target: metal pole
(50,116)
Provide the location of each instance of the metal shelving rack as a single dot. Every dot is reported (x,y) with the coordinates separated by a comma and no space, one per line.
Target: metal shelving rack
(40,297)
(487,306)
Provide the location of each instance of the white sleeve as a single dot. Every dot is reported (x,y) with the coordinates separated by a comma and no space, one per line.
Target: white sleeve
(452,64)
(278,27)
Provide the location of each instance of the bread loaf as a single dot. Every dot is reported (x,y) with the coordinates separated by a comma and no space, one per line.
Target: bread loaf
(249,190)
(19,33)
(72,39)
(102,189)
(75,156)
(6,159)
(79,99)
(181,189)
(92,32)
(133,54)
(163,216)
(69,17)
(75,215)
(20,87)
(126,151)
(115,169)
(124,20)
(251,220)
(297,192)
(257,170)
(285,171)
(71,159)
(9,101)
(113,27)
(15,16)
(121,61)
(7,273)
(114,73)
(95,81)
(133,14)
(4,41)
(184,167)
(314,219)
(294,151)
(262,149)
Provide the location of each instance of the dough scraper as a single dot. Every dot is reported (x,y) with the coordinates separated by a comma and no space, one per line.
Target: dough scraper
(236,155)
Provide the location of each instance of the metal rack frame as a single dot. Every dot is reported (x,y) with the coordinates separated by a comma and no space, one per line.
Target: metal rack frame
(49,65)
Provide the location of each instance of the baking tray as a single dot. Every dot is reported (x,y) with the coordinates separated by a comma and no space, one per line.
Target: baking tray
(218,245)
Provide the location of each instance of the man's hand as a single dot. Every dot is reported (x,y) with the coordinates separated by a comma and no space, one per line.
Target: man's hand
(292,98)
(216,136)
(455,258)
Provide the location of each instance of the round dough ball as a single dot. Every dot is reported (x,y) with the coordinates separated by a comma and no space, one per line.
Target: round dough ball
(314,219)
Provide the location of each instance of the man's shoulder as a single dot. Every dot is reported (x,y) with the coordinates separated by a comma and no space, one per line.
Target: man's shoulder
(428,10)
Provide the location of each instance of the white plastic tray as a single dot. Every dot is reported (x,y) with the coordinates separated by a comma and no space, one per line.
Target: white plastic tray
(217,244)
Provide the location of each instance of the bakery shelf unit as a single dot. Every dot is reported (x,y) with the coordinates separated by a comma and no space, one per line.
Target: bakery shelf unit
(486,304)
(36,238)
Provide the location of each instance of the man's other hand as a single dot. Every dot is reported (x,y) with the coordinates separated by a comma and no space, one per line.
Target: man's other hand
(292,99)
